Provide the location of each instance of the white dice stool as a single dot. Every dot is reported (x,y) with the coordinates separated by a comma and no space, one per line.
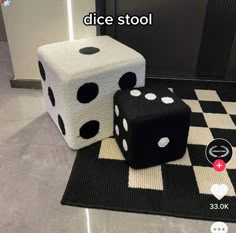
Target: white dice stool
(79,79)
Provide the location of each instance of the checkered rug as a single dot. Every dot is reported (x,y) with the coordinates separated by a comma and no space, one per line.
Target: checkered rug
(101,179)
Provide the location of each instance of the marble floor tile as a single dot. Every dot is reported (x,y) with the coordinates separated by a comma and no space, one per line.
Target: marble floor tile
(20,132)
(49,134)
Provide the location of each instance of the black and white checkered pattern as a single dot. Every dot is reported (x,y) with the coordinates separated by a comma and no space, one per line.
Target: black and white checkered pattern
(211,118)
(182,186)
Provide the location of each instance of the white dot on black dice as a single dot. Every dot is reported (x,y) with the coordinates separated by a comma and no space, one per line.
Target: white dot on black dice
(150,96)
(117,130)
(163,142)
(125,145)
(135,93)
(167,100)
(117,110)
(125,125)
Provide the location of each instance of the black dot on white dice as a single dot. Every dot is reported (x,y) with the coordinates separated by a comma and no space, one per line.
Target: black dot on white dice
(51,96)
(117,130)
(135,93)
(117,112)
(87,93)
(125,145)
(128,81)
(125,125)
(167,100)
(42,71)
(89,129)
(163,142)
(89,50)
(61,125)
(150,96)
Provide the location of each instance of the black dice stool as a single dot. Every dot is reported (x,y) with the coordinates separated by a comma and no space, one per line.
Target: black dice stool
(151,126)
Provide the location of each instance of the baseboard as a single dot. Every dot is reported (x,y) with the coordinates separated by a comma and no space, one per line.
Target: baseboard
(26,83)
(36,84)
(192,78)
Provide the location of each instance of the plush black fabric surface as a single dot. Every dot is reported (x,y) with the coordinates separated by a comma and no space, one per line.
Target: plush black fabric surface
(104,183)
(148,122)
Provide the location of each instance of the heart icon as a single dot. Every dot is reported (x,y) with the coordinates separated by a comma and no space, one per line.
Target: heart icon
(219,190)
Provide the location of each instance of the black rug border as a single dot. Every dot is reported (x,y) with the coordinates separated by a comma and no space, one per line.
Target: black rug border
(89,151)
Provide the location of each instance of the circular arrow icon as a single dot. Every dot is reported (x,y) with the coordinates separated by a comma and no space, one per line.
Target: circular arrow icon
(219,149)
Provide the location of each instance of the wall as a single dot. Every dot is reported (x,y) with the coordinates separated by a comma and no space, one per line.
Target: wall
(80,9)
(31,23)
(3,36)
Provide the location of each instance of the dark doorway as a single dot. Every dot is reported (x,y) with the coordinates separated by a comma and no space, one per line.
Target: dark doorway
(179,42)
(217,38)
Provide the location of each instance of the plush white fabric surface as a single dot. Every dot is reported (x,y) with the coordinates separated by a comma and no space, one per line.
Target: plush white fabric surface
(67,70)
